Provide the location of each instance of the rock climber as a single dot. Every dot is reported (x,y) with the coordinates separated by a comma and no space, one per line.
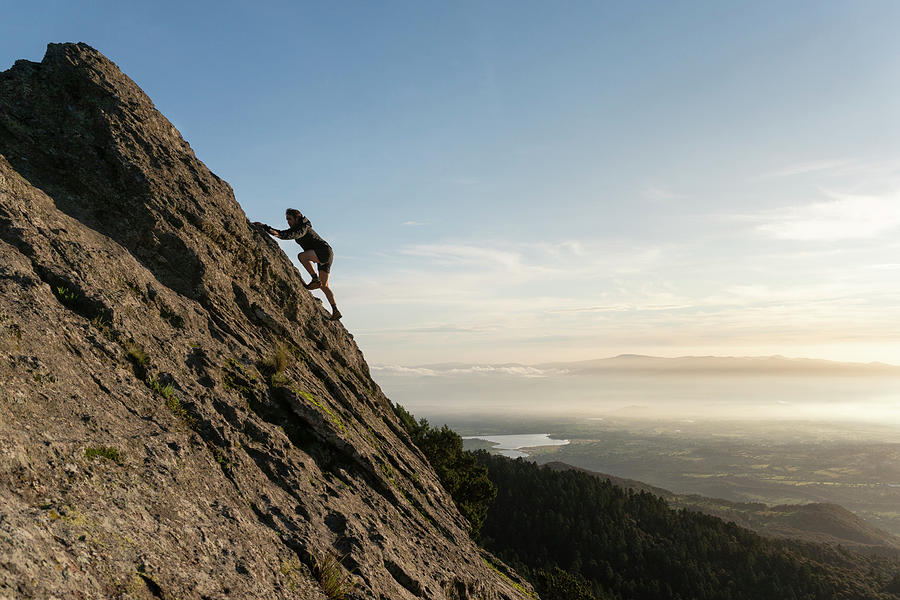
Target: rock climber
(315,250)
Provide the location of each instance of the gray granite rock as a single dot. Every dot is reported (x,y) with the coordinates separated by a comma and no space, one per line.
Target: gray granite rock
(148,447)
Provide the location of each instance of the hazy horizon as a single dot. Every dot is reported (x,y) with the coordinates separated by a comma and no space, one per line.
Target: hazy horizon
(799,361)
(709,389)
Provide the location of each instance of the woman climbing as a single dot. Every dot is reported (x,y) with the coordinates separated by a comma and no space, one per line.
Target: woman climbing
(315,250)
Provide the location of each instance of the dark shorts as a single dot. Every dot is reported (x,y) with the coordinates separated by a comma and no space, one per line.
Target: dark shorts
(326,257)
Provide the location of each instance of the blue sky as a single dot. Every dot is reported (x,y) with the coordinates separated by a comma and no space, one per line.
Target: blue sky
(536,181)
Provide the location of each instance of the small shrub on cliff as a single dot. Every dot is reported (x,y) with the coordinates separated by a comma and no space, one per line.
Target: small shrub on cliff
(136,354)
(333,579)
(292,569)
(172,402)
(166,391)
(175,407)
(106,452)
(274,366)
(103,325)
(66,296)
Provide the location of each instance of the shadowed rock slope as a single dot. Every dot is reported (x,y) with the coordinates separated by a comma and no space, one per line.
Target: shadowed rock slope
(177,417)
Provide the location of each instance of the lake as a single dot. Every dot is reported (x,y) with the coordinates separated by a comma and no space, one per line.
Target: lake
(512,445)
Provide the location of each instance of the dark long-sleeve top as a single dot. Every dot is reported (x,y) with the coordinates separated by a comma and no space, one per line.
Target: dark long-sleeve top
(304,235)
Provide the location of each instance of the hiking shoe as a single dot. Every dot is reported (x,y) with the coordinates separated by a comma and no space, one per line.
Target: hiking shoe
(314,284)
(335,315)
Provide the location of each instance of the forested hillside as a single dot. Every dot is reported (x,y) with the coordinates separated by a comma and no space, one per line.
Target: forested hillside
(577,537)
(573,531)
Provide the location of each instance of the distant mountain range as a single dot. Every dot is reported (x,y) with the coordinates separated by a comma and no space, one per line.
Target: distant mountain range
(762,365)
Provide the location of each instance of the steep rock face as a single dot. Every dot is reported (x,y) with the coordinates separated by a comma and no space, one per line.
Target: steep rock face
(177,416)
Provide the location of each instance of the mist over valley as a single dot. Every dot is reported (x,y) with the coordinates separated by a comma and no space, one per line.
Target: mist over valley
(765,430)
(693,388)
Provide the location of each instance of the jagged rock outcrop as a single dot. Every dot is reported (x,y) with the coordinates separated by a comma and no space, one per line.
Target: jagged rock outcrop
(177,417)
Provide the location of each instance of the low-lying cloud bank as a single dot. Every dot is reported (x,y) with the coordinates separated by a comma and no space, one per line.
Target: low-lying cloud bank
(437,371)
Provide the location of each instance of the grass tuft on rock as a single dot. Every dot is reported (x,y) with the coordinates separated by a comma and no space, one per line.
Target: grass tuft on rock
(334,580)
(275,366)
(172,402)
(106,452)
(136,354)
(66,296)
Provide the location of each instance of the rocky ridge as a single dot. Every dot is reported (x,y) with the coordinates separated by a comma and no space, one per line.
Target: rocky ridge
(177,417)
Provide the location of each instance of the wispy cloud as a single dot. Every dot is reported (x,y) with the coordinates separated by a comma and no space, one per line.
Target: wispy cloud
(526,301)
(844,216)
(413,223)
(660,194)
(496,279)
(812,166)
(619,308)
(857,171)
(563,248)
(451,254)
(433,328)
